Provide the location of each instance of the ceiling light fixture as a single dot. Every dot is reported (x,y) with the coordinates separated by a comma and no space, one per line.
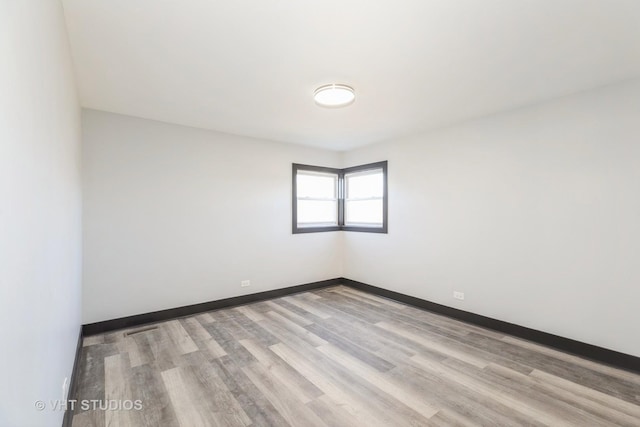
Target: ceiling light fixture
(334,95)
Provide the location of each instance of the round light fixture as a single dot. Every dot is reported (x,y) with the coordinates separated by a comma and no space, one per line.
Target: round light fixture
(334,95)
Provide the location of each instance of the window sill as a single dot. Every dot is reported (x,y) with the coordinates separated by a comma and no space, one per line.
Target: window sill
(303,230)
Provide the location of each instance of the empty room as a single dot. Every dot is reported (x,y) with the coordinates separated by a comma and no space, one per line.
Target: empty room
(333,214)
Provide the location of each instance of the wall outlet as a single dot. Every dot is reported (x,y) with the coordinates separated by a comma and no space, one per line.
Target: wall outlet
(65,388)
(245,283)
(458,295)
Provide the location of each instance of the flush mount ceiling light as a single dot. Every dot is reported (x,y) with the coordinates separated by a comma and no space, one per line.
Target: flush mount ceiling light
(334,95)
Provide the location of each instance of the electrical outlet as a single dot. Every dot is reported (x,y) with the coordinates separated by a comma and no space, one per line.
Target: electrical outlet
(245,283)
(458,295)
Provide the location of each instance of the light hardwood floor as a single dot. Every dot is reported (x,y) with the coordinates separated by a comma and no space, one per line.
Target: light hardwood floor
(340,357)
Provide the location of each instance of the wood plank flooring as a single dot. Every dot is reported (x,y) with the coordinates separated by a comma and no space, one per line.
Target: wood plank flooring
(341,357)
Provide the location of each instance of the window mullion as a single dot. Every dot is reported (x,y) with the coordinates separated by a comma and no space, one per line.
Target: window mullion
(341,196)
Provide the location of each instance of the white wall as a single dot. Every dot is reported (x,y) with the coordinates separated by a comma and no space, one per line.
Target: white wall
(40,211)
(534,214)
(176,215)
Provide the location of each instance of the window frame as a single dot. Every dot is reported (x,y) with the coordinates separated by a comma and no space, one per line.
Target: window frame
(341,190)
(364,168)
(319,169)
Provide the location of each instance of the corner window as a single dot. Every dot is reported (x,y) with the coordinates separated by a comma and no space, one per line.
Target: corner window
(351,199)
(316,194)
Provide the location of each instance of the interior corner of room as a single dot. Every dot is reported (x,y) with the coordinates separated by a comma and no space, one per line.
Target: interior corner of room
(113,209)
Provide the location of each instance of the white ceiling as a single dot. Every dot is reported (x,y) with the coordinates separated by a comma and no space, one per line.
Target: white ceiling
(250,67)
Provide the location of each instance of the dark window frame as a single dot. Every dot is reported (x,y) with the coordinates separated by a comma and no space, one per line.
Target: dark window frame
(340,173)
(385,196)
(321,169)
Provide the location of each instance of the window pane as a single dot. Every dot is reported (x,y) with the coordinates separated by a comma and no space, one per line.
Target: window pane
(364,185)
(317,212)
(316,185)
(364,212)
